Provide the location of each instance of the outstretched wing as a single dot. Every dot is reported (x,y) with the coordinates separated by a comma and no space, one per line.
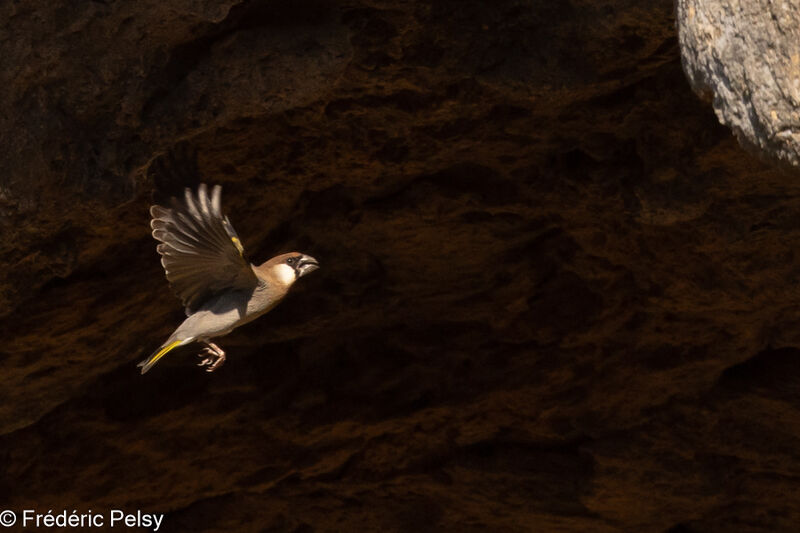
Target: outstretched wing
(200,251)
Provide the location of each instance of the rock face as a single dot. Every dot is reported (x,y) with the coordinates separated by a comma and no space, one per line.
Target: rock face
(555,294)
(746,55)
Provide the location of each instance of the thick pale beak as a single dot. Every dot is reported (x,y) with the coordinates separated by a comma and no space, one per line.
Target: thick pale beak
(306,265)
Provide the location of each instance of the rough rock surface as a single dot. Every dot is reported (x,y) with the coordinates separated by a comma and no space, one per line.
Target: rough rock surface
(555,294)
(746,56)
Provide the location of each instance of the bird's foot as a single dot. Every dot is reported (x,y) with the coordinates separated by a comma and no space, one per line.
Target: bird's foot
(213,357)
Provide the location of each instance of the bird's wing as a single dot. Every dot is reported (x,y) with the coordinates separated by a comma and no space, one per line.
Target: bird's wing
(200,251)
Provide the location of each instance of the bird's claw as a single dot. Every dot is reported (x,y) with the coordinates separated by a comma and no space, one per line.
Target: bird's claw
(211,359)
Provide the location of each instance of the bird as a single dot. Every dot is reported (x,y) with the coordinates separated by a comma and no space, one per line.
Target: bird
(206,267)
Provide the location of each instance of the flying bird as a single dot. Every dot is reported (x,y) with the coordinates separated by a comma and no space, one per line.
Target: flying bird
(206,267)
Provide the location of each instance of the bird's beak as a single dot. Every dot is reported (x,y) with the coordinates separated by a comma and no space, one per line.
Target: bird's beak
(307,264)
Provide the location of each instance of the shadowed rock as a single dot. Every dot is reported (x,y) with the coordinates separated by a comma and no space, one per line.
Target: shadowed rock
(556,295)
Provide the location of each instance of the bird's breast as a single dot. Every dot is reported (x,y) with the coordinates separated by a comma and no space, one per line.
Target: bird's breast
(263,299)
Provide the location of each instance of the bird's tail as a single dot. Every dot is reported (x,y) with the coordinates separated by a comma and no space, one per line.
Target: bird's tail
(148,363)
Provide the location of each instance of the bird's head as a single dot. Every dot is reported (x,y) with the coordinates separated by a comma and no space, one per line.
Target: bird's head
(288,268)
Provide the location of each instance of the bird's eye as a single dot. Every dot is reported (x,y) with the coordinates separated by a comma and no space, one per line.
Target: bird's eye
(290,261)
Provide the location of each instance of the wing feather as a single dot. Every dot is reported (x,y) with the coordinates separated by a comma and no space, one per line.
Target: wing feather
(200,251)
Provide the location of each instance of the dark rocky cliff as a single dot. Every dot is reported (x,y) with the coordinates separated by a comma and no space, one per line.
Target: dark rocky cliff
(555,294)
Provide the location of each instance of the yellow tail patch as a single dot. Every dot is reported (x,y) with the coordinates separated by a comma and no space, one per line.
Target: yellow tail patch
(148,363)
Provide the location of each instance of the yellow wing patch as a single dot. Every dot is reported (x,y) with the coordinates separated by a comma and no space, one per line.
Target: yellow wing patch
(238,244)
